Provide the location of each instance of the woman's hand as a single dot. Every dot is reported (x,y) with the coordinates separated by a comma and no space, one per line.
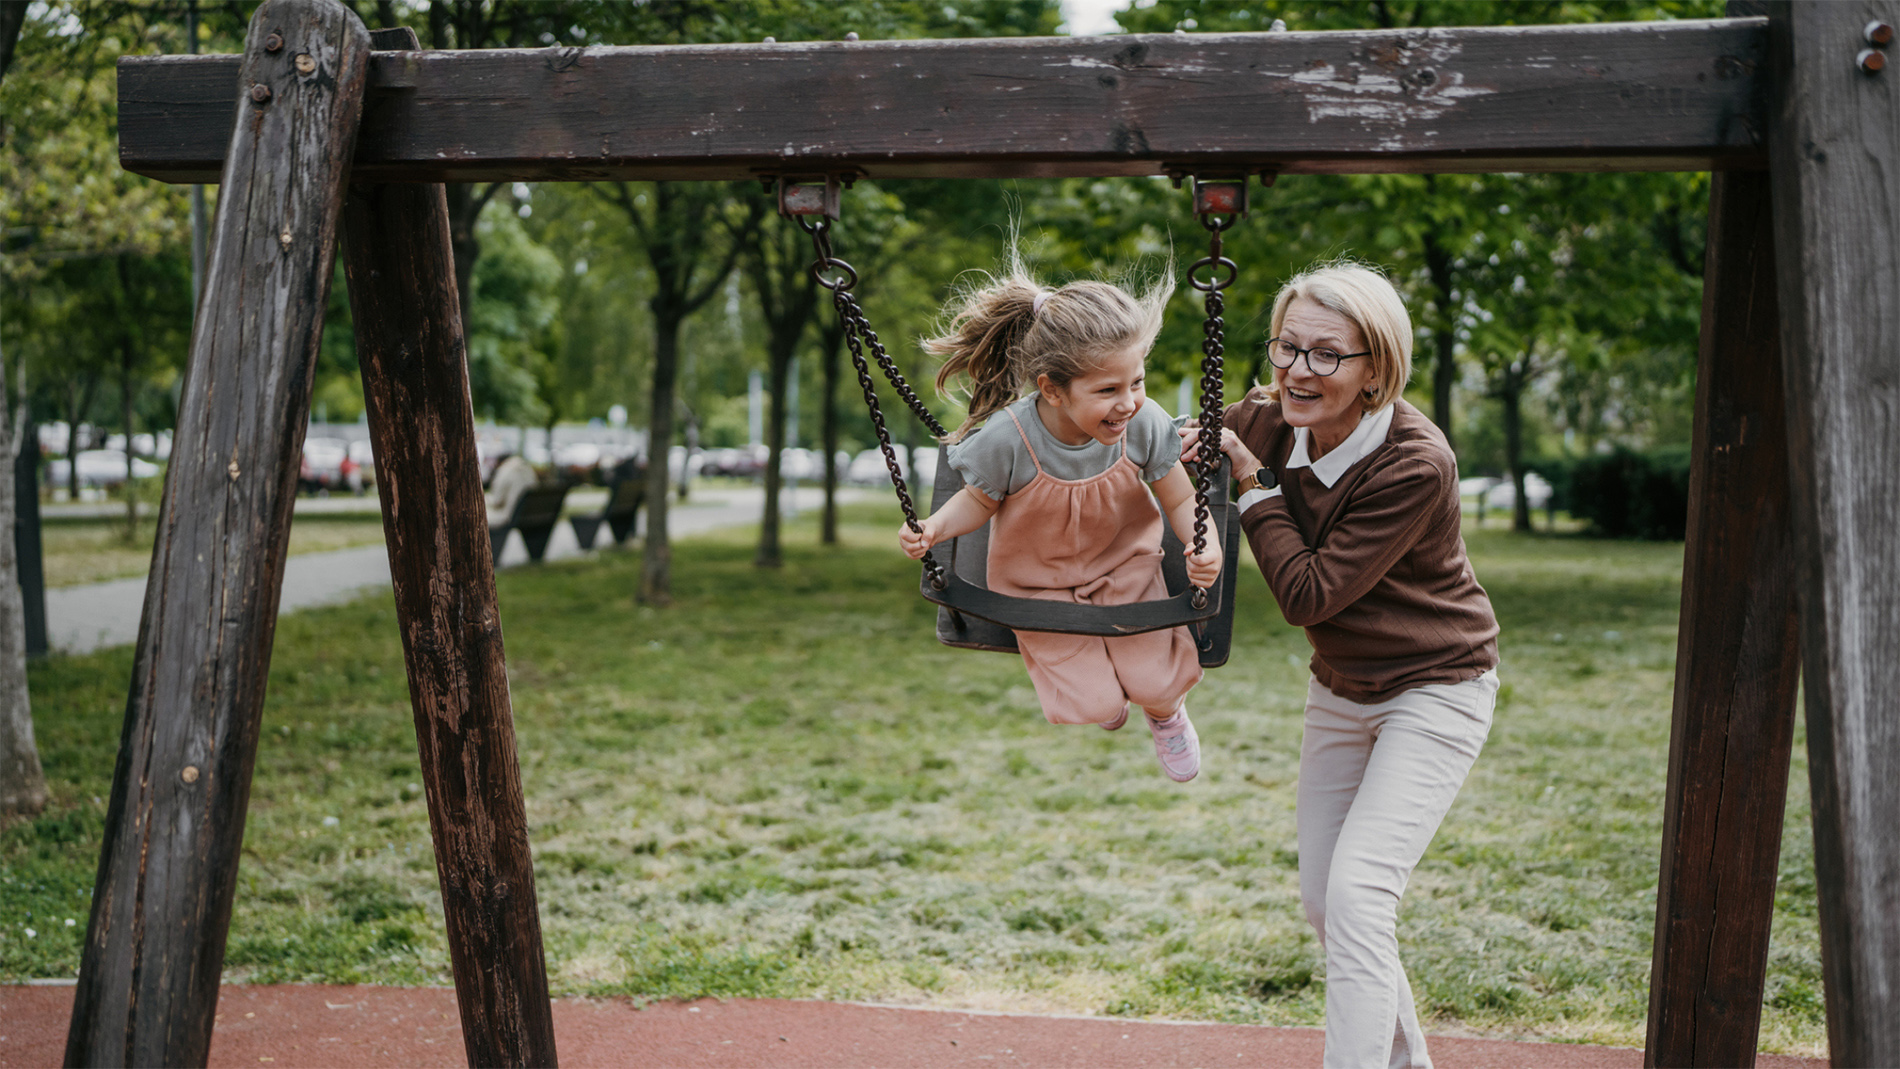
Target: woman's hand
(1203,567)
(918,543)
(1238,455)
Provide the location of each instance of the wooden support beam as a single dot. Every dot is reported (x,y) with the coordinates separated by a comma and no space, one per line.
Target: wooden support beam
(1737,663)
(415,385)
(154,951)
(1835,147)
(1633,96)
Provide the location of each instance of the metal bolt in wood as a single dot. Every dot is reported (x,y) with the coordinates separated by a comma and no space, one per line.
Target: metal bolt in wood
(1871,60)
(1878,33)
(260,93)
(273,43)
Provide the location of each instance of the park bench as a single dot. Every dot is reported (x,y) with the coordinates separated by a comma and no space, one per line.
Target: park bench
(534,515)
(622,509)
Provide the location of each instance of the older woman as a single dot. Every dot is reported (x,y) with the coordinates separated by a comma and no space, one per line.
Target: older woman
(1349,497)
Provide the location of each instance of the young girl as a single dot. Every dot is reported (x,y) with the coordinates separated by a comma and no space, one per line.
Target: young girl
(1061,467)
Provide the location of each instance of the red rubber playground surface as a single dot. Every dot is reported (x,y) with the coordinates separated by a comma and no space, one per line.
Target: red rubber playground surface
(404,1027)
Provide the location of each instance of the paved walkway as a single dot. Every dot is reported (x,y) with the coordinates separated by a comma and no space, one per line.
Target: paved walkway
(290,1026)
(80,619)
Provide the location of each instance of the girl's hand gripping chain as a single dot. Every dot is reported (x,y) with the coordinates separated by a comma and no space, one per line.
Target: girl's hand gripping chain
(1175,491)
(960,515)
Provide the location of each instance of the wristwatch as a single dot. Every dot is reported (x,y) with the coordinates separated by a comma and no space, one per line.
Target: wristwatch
(1260,478)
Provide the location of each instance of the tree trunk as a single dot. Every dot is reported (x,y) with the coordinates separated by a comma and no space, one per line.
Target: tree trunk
(128,359)
(781,350)
(22,782)
(1511,393)
(1444,336)
(691,434)
(830,344)
(656,568)
(80,400)
(465,207)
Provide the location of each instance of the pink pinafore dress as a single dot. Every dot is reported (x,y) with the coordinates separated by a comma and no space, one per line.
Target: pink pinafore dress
(1094,541)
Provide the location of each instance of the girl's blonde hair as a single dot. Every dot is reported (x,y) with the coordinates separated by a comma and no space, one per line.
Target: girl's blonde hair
(1368,299)
(1003,343)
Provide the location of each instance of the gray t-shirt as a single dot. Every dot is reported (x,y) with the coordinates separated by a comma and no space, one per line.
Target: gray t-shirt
(993,458)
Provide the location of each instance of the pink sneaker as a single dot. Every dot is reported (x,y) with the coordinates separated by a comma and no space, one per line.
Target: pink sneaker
(1120,719)
(1177,747)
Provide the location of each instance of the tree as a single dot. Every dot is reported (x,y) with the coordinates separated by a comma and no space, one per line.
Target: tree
(672,221)
(22,780)
(512,311)
(775,260)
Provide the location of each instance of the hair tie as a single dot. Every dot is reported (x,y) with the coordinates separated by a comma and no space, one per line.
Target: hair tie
(1035,306)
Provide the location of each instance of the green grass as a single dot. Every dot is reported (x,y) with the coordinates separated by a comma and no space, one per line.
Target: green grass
(94,550)
(783,787)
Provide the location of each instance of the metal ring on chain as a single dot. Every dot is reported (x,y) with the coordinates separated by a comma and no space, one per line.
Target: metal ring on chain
(841,282)
(1215,282)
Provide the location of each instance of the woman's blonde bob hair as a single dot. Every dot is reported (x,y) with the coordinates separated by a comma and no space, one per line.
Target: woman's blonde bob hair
(1365,297)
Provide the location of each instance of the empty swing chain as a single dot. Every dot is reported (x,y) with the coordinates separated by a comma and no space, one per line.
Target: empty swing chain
(1207,454)
(838,277)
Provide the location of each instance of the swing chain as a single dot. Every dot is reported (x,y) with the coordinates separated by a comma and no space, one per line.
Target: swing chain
(1222,273)
(857,334)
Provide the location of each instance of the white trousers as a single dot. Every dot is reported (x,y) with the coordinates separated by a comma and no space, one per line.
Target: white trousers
(1375,782)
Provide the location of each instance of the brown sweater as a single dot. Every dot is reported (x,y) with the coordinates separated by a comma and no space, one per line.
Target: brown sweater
(1374,566)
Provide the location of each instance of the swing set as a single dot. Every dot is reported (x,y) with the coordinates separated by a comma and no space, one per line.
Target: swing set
(322,130)
(972,616)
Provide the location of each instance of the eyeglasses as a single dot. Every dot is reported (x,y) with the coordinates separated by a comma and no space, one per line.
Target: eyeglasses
(1323,362)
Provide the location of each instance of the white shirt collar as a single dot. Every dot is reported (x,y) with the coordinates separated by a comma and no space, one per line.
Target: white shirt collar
(1369,435)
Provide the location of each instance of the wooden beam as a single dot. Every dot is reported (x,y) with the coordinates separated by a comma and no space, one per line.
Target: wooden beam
(1631,96)
(1737,663)
(1835,146)
(154,950)
(415,385)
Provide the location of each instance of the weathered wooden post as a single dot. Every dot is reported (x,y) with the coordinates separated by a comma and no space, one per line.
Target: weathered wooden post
(1736,662)
(415,383)
(154,951)
(1834,150)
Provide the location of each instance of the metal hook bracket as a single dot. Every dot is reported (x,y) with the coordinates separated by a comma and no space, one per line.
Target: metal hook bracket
(811,194)
(1221,196)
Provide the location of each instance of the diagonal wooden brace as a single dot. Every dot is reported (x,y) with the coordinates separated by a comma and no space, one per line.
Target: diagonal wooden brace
(154,951)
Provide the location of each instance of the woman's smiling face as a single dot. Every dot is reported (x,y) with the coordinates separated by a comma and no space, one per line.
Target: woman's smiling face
(1329,406)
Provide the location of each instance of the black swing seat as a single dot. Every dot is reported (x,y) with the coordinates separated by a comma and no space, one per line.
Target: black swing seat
(972,616)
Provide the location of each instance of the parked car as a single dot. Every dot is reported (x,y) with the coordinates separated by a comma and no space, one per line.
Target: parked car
(98,467)
(681,466)
(144,445)
(744,463)
(322,467)
(1504,495)
(868,468)
(577,462)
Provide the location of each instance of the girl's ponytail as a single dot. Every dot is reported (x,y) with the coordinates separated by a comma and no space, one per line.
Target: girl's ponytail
(984,343)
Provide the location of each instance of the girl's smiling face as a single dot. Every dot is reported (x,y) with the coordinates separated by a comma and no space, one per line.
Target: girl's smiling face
(1097,404)
(1329,406)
